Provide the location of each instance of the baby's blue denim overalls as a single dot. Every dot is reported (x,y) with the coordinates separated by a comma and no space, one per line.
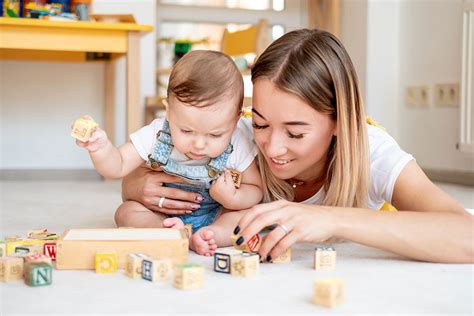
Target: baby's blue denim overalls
(199,177)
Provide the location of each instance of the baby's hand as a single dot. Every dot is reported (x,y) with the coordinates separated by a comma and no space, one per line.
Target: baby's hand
(97,141)
(223,189)
(98,137)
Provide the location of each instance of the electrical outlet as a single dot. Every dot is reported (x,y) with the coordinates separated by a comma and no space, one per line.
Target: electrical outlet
(446,94)
(417,96)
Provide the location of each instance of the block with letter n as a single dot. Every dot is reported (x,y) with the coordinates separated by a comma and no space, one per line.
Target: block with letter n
(39,274)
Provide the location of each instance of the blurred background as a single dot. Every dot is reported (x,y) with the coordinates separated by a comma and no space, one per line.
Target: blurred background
(414,61)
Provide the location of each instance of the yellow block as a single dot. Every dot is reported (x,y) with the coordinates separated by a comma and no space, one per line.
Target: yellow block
(32,247)
(106,262)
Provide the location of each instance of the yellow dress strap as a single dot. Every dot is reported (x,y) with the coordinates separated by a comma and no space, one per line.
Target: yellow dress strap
(387,207)
(370,121)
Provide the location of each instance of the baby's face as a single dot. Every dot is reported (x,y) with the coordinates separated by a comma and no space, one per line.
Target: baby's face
(200,132)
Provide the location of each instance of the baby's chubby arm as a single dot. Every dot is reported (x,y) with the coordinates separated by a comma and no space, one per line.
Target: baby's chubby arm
(249,193)
(110,161)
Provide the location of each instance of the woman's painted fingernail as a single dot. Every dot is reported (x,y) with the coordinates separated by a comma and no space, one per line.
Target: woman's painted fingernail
(240,241)
(189,212)
(236,230)
(269,258)
(198,198)
(195,206)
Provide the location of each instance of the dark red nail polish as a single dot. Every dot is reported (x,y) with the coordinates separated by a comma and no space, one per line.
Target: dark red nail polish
(236,230)
(240,241)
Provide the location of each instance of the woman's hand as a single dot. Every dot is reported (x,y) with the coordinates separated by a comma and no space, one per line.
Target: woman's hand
(146,186)
(295,222)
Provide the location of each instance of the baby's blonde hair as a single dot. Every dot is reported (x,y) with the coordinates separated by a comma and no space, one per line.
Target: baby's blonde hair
(203,77)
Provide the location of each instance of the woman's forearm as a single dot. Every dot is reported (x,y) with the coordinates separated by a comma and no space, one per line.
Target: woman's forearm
(426,236)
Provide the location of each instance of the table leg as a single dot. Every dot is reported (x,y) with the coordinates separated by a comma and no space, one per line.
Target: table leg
(134,109)
(109,93)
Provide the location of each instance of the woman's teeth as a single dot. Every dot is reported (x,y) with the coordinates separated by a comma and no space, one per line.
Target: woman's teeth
(280,162)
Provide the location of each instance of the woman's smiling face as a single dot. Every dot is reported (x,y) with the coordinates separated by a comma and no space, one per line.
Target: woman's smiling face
(293,137)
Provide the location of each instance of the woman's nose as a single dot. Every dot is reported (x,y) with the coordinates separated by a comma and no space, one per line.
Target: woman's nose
(275,145)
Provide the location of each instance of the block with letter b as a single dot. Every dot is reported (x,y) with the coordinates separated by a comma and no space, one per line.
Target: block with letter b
(134,265)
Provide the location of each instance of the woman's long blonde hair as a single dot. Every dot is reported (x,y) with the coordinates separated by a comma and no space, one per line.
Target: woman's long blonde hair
(313,65)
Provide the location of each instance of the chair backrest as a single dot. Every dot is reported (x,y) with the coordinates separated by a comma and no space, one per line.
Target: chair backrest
(251,40)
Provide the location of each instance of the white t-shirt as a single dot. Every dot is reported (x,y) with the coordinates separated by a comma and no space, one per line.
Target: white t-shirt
(242,141)
(387,161)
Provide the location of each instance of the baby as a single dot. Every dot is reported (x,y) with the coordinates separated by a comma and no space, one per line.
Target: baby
(201,139)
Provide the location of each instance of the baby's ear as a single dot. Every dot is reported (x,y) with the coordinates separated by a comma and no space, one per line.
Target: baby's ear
(165,103)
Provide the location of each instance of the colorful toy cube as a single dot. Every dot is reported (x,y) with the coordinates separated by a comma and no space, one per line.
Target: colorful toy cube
(245,265)
(83,128)
(39,274)
(106,262)
(223,259)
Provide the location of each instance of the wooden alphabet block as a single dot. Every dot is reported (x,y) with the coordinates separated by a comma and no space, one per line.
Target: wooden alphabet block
(250,246)
(34,259)
(39,274)
(11,268)
(324,258)
(106,262)
(3,249)
(245,265)
(22,247)
(189,230)
(223,259)
(157,269)
(134,265)
(188,276)
(162,269)
(284,257)
(49,249)
(328,292)
(236,177)
(83,128)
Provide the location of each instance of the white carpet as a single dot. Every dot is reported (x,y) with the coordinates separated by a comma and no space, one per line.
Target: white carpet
(375,281)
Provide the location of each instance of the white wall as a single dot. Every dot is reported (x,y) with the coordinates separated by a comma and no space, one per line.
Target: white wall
(430,53)
(40,100)
(409,43)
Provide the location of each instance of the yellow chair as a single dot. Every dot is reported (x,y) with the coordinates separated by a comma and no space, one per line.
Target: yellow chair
(251,40)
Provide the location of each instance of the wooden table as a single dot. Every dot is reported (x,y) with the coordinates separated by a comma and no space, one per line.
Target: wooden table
(42,40)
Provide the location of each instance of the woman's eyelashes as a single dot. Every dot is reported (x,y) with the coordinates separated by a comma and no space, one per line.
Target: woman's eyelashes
(256,126)
(296,136)
(290,135)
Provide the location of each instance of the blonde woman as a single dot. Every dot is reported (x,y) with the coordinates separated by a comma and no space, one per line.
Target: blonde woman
(326,171)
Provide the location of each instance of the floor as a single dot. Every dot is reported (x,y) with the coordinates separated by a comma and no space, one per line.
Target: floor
(367,272)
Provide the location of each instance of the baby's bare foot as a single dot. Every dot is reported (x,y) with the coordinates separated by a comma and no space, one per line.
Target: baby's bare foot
(173,222)
(202,242)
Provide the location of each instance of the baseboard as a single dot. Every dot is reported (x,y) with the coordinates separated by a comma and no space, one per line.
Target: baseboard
(49,174)
(450,176)
(447,176)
